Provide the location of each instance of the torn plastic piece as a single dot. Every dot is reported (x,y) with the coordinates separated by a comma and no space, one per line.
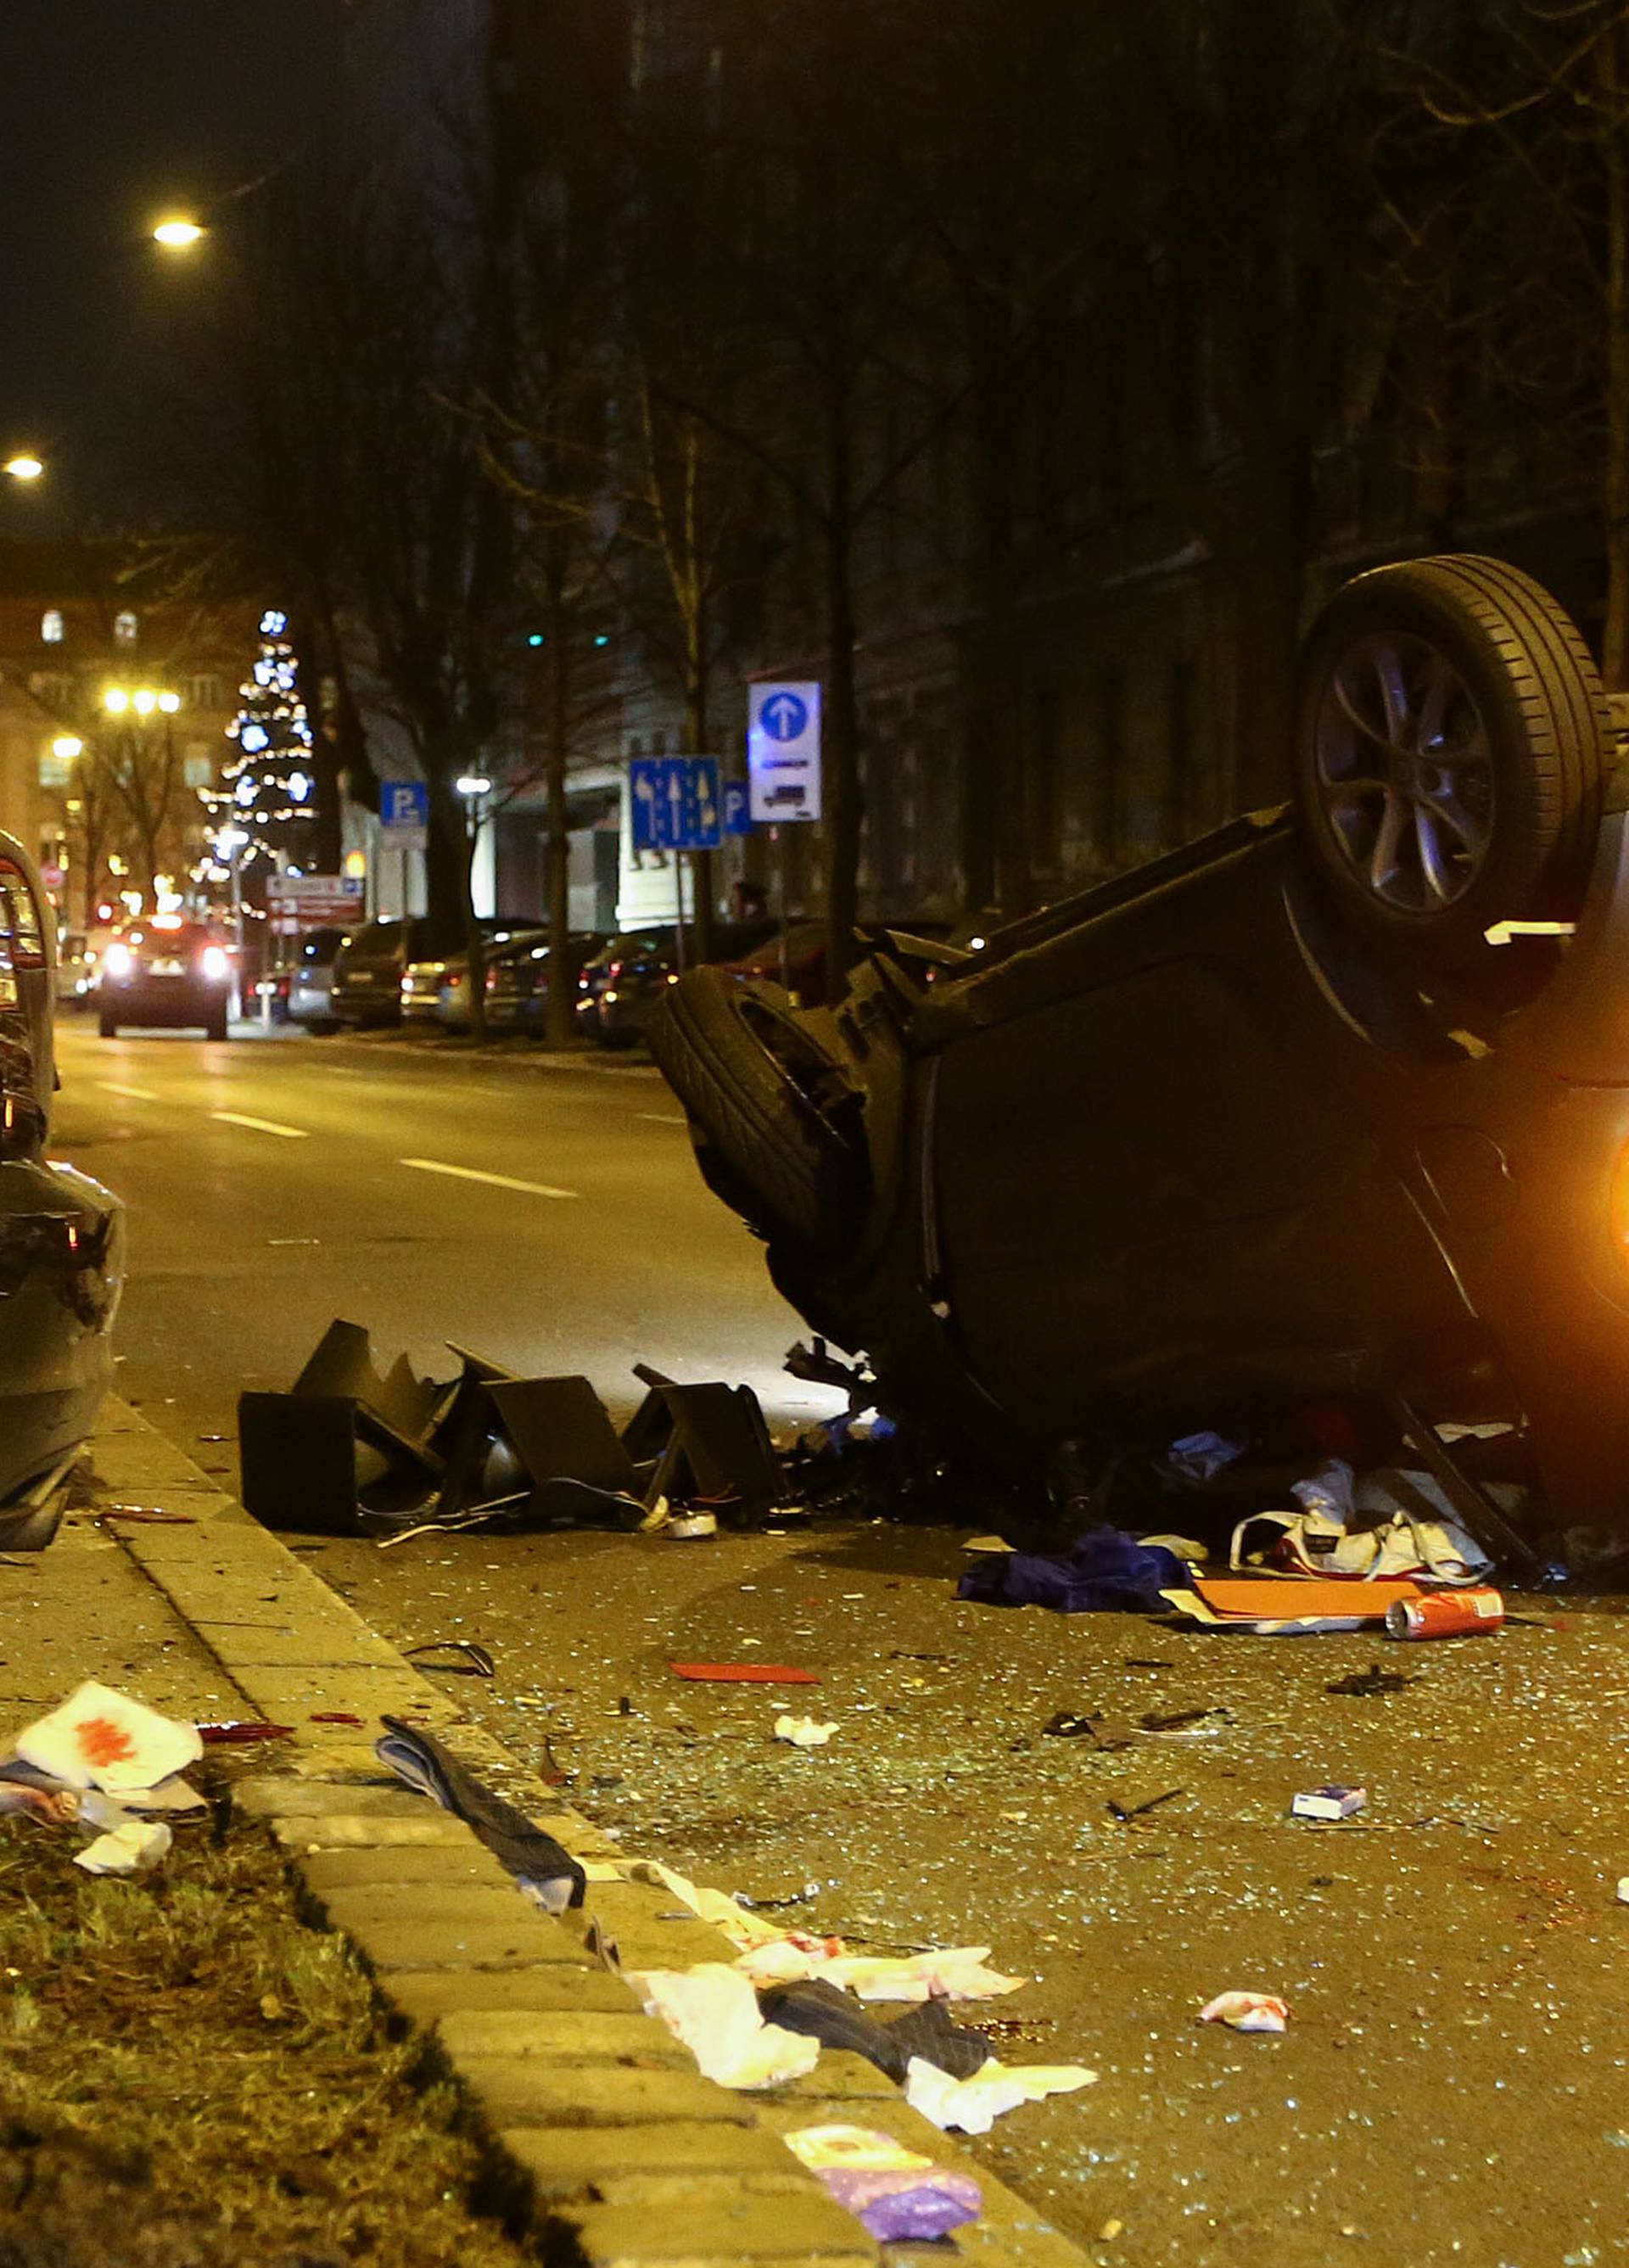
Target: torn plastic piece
(691,1527)
(713,2011)
(1199,1457)
(100,1738)
(857,2149)
(973,2105)
(953,1973)
(744,1929)
(742,1673)
(803,1732)
(543,1868)
(910,2208)
(816,2007)
(1246,2012)
(1329,1802)
(131,1848)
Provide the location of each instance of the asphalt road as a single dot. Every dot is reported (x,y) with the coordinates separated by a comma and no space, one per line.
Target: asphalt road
(1454,2084)
(548,1216)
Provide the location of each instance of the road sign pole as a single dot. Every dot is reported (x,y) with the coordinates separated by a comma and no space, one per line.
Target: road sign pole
(678,913)
(778,836)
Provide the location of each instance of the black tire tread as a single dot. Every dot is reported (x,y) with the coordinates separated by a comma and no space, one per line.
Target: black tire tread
(799,1179)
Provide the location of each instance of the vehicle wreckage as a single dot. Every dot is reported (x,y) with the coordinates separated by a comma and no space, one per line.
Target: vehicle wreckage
(61,1236)
(1333,1102)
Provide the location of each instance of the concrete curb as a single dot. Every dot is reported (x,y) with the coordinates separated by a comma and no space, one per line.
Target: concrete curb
(595,2117)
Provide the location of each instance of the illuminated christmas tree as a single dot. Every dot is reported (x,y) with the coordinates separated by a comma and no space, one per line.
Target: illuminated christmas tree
(268,790)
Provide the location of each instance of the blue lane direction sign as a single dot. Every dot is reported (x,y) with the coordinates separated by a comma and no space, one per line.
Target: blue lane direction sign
(677,805)
(737,807)
(782,752)
(404,814)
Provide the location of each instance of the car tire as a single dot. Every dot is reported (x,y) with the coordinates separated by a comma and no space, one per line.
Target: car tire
(107,1024)
(773,1114)
(1451,754)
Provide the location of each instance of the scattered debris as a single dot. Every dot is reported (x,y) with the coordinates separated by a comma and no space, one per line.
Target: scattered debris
(1392,1523)
(803,1732)
(1104,1572)
(102,1739)
(691,1527)
(897,2195)
(234,1731)
(1366,1684)
(133,1848)
(1279,1606)
(1064,1725)
(476,1662)
(1329,1802)
(1451,1614)
(827,2013)
(148,1515)
(973,2105)
(713,2010)
(1122,1812)
(1246,2012)
(543,1868)
(1199,1457)
(742,1673)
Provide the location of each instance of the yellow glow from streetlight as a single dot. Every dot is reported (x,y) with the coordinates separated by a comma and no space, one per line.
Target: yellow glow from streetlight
(24,466)
(169,702)
(115,701)
(66,746)
(177,233)
(143,703)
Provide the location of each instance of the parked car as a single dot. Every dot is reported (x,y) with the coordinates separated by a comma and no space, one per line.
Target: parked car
(311,979)
(621,985)
(75,980)
(1334,1102)
(805,960)
(518,979)
(365,988)
(61,1235)
(450,980)
(166,971)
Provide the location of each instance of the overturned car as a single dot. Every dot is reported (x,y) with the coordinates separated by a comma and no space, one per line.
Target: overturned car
(1333,1103)
(61,1236)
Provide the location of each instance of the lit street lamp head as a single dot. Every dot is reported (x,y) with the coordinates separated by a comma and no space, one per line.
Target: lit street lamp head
(473,784)
(115,701)
(24,466)
(177,233)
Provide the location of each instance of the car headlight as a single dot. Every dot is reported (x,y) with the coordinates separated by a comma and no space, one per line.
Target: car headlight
(118,961)
(214,963)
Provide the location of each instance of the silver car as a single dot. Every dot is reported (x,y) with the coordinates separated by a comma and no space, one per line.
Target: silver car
(61,1235)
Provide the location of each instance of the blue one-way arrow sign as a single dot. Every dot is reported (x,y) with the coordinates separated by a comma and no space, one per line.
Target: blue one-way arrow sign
(782,752)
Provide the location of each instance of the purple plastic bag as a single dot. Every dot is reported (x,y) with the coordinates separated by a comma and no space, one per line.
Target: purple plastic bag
(914,2207)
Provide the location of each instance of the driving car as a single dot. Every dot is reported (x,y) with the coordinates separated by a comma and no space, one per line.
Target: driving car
(61,1235)
(1332,1103)
(164,970)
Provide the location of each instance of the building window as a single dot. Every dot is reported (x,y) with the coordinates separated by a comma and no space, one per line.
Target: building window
(124,629)
(204,692)
(51,626)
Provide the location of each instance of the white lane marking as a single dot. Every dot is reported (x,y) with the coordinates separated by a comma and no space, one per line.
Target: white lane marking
(261,1125)
(134,1094)
(496,1181)
(660,1118)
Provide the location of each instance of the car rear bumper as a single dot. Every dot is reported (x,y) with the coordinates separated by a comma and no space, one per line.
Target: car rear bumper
(62,1270)
(170,1001)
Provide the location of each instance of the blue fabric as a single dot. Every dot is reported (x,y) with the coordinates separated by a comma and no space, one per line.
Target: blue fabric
(1104,1572)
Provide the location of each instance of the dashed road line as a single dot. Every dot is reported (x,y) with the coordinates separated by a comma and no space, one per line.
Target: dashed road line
(495,1181)
(261,1125)
(132,1093)
(660,1118)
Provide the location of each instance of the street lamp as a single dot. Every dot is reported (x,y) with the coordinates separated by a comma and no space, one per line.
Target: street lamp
(24,466)
(115,701)
(66,746)
(471,784)
(178,233)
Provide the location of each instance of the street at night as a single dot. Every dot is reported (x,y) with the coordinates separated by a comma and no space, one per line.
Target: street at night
(1452,1958)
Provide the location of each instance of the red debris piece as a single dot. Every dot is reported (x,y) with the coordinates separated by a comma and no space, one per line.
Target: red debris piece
(742,1673)
(333,1717)
(243,1729)
(149,1516)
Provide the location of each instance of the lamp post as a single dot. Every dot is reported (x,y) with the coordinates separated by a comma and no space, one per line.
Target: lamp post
(232,840)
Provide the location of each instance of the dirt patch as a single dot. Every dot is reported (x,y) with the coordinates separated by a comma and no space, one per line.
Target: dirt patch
(190,2078)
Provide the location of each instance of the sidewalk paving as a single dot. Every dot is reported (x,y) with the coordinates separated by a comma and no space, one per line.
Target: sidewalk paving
(593,2114)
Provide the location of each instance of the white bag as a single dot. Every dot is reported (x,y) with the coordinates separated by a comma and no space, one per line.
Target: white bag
(1408,1530)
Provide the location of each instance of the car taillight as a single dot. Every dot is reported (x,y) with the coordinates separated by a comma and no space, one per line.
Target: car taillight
(491,980)
(455,980)
(614,972)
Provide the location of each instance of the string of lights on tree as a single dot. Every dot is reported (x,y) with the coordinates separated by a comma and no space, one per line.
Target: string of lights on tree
(265,803)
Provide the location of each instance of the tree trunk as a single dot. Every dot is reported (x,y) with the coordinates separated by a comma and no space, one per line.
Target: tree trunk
(840,725)
(695,729)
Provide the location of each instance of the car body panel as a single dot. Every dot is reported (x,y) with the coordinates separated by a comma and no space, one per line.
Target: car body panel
(61,1235)
(157,977)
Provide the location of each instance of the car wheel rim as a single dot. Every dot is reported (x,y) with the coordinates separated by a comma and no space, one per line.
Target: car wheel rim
(1406,773)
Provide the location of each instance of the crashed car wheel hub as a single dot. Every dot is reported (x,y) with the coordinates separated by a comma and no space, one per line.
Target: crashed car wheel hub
(1405,771)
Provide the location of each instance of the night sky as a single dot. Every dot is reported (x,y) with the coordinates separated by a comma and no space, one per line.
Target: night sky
(111,110)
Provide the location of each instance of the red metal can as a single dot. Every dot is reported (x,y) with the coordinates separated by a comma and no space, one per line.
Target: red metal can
(1445,1614)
